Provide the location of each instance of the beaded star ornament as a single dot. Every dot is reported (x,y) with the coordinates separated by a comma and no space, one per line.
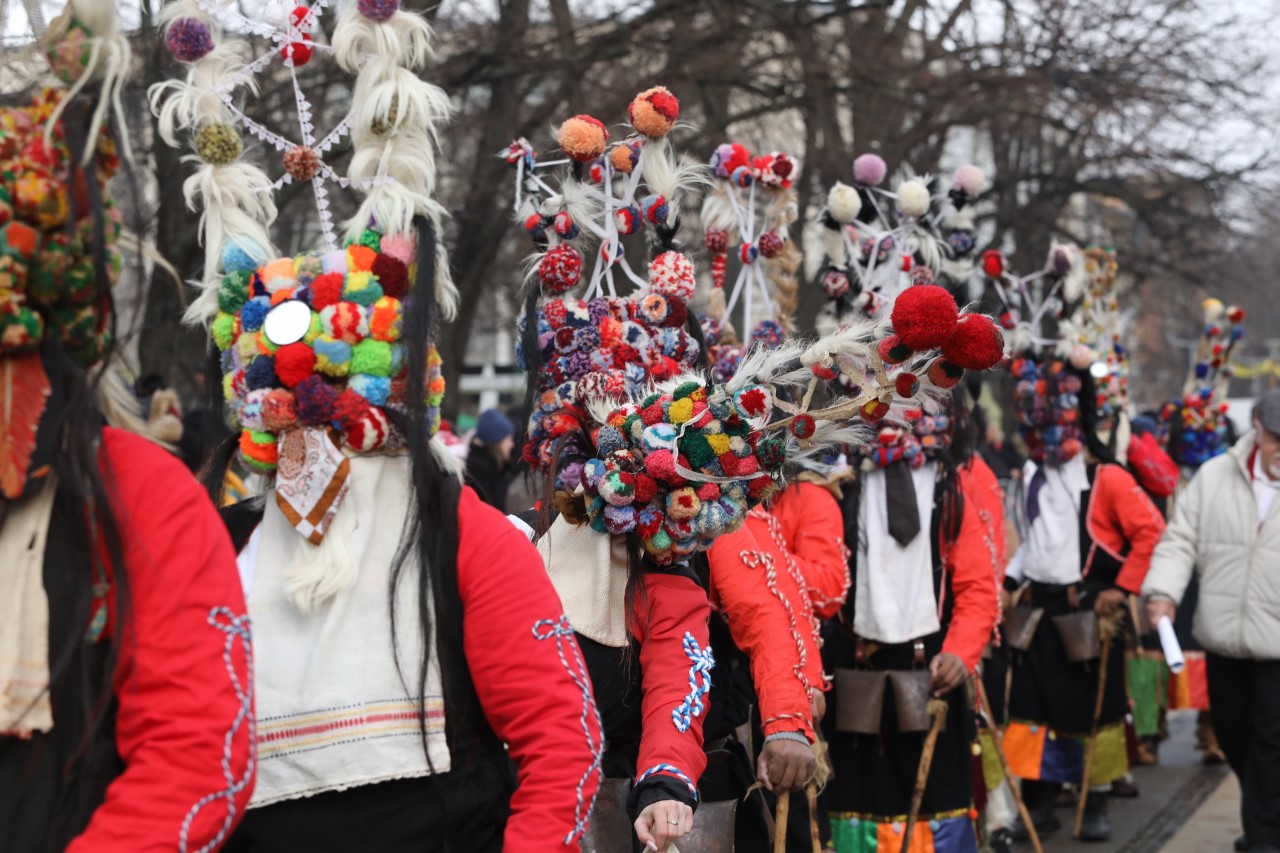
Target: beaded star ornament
(314,353)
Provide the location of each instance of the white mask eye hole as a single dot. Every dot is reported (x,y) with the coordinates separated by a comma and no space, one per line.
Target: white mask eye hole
(287,323)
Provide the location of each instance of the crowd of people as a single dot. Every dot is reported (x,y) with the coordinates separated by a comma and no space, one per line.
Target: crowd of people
(852,591)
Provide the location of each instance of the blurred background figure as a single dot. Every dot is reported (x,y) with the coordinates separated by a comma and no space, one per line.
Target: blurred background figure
(489,466)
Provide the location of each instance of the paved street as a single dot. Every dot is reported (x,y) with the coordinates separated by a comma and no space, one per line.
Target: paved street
(1183,807)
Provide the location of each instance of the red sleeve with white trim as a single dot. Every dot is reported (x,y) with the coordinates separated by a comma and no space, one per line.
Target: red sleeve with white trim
(971,560)
(814,529)
(182,683)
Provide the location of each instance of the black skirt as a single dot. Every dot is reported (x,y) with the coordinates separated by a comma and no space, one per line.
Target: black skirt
(464,811)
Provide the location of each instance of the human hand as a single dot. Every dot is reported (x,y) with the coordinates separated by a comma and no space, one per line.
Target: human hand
(662,823)
(1159,607)
(785,765)
(1109,602)
(818,704)
(948,673)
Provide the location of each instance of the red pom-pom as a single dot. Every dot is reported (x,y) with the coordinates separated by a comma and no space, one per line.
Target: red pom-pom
(770,244)
(874,410)
(560,268)
(906,384)
(945,375)
(823,372)
(803,426)
(298,51)
(325,290)
(349,408)
(302,163)
(892,350)
(925,317)
(646,488)
(716,240)
(1235,314)
(993,263)
(369,432)
(294,363)
(392,275)
(976,345)
(1009,320)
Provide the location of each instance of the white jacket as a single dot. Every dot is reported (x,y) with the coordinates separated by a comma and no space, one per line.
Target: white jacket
(1215,531)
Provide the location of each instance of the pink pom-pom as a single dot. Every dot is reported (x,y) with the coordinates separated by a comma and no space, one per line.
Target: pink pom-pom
(770,244)
(869,169)
(400,247)
(970,180)
(378,10)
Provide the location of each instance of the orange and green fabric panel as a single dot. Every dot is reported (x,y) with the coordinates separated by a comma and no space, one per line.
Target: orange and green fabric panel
(1189,689)
(947,833)
(1037,752)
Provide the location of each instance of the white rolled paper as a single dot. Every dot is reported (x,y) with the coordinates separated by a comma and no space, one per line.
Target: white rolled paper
(1169,642)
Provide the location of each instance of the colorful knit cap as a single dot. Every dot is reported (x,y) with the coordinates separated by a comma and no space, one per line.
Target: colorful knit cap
(1203,407)
(1047,397)
(47,221)
(339,362)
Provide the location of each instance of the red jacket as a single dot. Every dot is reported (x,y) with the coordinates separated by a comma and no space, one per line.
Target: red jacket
(973,562)
(1120,513)
(182,682)
(529,678)
(764,606)
(671,628)
(813,527)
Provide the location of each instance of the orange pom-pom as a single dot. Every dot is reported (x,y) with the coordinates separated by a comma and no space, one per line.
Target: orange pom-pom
(583,138)
(654,112)
(360,258)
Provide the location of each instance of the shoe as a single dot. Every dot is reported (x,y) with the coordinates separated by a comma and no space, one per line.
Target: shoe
(1044,820)
(1149,752)
(1066,797)
(1242,844)
(1097,820)
(1207,743)
(1124,789)
(1000,841)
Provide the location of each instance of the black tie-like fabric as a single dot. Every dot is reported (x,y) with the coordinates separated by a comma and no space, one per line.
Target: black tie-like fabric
(904,513)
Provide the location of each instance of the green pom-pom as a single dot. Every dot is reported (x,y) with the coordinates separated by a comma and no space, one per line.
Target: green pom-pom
(684,390)
(633,426)
(696,449)
(233,292)
(660,543)
(20,330)
(371,357)
(365,296)
(315,330)
(596,513)
(370,238)
(650,400)
(223,330)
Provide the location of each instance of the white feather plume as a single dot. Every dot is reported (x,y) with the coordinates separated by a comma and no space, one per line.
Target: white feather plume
(671,176)
(717,212)
(183,105)
(384,88)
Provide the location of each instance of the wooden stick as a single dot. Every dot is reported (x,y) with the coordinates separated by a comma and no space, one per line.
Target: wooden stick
(811,790)
(937,710)
(997,738)
(1093,735)
(780,815)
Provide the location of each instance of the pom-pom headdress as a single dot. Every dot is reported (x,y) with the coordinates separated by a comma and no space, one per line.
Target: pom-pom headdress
(58,228)
(604,345)
(1195,427)
(879,242)
(315,350)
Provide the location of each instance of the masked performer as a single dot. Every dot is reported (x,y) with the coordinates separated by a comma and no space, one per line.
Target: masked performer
(1089,533)
(126,712)
(411,652)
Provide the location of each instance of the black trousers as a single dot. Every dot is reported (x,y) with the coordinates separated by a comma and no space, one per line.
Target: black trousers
(1245,696)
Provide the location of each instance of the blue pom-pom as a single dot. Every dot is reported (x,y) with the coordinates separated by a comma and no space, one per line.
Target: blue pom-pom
(655,209)
(1202,370)
(375,389)
(261,373)
(242,255)
(254,312)
(609,440)
(742,176)
(227,360)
